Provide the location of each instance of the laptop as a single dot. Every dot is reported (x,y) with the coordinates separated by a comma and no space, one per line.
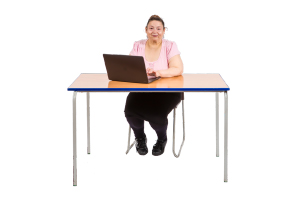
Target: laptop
(127,68)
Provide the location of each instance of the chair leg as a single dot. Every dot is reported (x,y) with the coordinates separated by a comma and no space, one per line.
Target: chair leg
(174,130)
(128,145)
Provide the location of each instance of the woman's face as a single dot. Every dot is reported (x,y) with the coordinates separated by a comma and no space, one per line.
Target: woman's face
(155,30)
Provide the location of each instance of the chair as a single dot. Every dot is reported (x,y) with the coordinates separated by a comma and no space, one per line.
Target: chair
(174,117)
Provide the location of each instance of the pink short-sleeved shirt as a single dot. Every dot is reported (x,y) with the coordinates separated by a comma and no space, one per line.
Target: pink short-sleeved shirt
(168,50)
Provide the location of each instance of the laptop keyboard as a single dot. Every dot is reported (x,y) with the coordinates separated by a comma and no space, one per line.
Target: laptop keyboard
(150,80)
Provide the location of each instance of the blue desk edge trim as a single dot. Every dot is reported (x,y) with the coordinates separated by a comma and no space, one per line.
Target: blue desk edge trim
(148,89)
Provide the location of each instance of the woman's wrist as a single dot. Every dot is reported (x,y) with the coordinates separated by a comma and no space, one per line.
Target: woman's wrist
(157,74)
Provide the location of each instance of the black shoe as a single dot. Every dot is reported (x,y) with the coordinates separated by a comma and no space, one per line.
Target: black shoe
(141,145)
(159,147)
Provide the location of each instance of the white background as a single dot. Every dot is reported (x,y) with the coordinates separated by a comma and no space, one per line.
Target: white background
(45,45)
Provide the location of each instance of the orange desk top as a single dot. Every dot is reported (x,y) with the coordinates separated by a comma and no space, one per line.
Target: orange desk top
(184,83)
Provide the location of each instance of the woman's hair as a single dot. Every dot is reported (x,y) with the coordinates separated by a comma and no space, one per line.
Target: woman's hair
(157,18)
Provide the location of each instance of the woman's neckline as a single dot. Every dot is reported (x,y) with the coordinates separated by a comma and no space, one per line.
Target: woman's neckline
(162,42)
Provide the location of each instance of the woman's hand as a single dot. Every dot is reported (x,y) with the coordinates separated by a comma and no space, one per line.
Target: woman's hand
(151,72)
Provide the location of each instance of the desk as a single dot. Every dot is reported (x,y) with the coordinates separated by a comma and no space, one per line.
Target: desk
(185,83)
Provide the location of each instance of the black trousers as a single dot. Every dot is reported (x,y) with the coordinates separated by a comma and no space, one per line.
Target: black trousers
(153,107)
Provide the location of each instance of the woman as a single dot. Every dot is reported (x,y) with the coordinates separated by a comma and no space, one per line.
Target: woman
(161,59)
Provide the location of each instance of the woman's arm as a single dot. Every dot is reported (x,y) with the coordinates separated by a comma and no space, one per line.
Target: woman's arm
(175,68)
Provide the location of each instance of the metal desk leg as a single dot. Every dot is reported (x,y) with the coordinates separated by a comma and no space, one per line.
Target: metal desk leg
(183,124)
(128,145)
(217,124)
(88,122)
(226,137)
(74,142)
